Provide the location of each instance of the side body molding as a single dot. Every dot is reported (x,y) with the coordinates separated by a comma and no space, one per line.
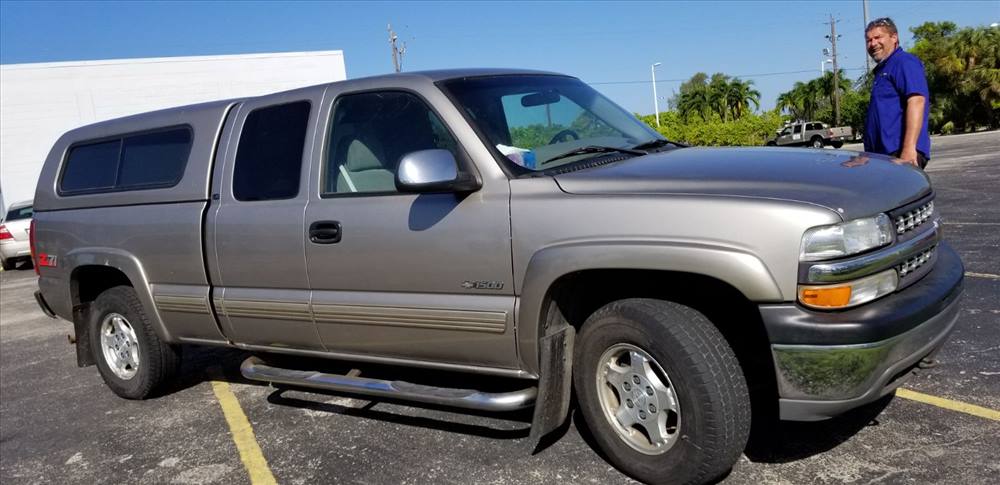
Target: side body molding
(742,270)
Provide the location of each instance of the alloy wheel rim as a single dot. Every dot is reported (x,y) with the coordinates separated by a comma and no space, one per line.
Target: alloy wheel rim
(119,346)
(638,399)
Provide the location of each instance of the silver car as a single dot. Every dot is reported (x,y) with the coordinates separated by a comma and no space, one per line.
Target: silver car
(14,235)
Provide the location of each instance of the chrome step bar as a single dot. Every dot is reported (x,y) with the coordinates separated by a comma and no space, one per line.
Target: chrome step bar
(254,368)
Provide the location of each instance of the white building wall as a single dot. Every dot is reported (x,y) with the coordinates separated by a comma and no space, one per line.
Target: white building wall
(39,102)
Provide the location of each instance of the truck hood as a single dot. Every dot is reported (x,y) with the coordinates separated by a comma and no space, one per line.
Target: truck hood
(850,183)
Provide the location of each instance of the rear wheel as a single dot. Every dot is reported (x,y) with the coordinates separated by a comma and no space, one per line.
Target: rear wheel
(131,358)
(661,391)
(837,144)
(7,264)
(816,142)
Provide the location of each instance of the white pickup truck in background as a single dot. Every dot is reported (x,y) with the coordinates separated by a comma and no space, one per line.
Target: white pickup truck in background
(811,133)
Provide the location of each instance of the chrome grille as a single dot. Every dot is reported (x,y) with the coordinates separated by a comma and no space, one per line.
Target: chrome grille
(914,262)
(914,218)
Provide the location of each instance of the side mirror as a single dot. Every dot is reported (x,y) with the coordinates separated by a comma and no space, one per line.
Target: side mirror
(433,171)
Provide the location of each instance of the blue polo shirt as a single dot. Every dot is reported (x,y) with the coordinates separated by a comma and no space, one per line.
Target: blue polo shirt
(895,79)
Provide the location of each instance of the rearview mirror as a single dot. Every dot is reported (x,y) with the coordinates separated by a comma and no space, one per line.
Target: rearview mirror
(540,98)
(433,171)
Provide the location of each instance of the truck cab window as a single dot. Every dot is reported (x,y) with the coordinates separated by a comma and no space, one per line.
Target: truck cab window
(370,133)
(269,158)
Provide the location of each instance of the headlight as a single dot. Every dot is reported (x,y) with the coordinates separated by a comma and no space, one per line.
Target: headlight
(849,293)
(846,238)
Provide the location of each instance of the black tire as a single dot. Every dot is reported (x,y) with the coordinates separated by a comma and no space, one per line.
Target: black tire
(712,419)
(771,143)
(837,144)
(157,362)
(7,264)
(816,142)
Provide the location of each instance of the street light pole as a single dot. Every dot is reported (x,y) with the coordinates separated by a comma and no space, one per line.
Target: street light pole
(656,102)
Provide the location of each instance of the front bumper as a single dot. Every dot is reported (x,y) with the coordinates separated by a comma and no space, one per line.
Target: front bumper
(829,362)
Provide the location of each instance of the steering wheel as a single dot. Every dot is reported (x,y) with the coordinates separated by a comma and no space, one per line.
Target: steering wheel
(564,136)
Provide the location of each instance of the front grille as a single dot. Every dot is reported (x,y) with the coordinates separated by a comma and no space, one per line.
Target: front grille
(914,218)
(914,262)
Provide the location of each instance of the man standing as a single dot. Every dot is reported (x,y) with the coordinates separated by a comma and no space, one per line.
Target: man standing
(897,113)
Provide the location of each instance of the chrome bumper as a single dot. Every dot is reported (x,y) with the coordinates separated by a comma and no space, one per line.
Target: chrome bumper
(818,382)
(829,362)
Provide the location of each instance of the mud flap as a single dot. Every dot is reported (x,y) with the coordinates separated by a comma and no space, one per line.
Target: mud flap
(555,384)
(81,326)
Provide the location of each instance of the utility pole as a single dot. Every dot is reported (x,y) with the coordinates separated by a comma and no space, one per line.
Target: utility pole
(869,62)
(656,102)
(397,52)
(836,73)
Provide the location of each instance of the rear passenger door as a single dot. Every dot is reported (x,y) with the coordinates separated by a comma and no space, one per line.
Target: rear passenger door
(422,277)
(255,232)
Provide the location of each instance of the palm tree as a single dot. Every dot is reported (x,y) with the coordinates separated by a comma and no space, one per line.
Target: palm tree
(741,94)
(718,93)
(695,101)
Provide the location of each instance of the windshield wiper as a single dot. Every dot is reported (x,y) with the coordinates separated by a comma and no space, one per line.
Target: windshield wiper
(657,143)
(593,149)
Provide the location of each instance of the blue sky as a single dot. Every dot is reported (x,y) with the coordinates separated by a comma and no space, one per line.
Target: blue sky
(608,44)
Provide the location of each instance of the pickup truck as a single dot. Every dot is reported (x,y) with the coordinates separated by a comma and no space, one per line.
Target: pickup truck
(497,223)
(811,133)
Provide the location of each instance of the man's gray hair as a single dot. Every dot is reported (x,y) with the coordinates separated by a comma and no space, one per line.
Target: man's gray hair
(885,22)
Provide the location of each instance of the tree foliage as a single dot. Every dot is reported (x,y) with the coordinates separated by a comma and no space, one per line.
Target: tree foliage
(748,130)
(721,95)
(963,73)
(809,100)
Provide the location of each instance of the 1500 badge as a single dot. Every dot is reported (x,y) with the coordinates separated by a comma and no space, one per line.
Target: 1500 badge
(482,285)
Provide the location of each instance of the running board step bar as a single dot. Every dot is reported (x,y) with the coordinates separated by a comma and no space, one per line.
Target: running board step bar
(256,369)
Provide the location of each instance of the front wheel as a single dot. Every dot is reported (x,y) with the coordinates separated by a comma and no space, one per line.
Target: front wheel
(131,358)
(661,391)
(816,142)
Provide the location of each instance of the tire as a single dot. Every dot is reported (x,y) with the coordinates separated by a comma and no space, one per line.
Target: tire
(141,363)
(816,142)
(837,144)
(685,370)
(7,264)
(771,144)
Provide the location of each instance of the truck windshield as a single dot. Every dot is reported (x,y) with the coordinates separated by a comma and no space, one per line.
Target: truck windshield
(538,122)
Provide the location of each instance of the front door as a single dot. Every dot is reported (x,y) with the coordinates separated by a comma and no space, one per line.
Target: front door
(418,277)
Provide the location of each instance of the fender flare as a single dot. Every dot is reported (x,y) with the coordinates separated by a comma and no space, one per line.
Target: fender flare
(129,265)
(734,266)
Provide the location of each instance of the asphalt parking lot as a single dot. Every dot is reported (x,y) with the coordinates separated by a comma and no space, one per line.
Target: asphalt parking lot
(60,424)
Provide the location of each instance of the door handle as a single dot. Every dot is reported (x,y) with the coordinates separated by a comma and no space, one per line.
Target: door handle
(325,232)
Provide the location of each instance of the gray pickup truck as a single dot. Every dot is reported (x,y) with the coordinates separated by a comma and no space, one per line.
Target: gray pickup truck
(513,224)
(813,134)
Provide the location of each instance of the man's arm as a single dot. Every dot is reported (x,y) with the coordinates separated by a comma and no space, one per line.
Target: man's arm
(914,119)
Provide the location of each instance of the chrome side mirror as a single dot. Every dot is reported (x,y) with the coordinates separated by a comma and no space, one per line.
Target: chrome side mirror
(433,171)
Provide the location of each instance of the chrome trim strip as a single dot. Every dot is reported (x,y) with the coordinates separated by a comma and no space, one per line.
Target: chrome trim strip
(255,369)
(182,304)
(278,310)
(873,262)
(472,369)
(438,319)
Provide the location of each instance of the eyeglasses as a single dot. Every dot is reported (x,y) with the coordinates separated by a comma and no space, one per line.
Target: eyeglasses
(881,22)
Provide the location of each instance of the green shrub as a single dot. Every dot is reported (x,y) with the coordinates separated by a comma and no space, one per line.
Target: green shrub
(748,130)
(948,128)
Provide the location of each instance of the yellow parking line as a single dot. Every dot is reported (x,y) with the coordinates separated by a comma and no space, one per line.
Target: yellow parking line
(949,404)
(982,275)
(246,442)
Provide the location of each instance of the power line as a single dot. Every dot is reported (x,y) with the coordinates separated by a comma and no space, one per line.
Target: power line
(763,74)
